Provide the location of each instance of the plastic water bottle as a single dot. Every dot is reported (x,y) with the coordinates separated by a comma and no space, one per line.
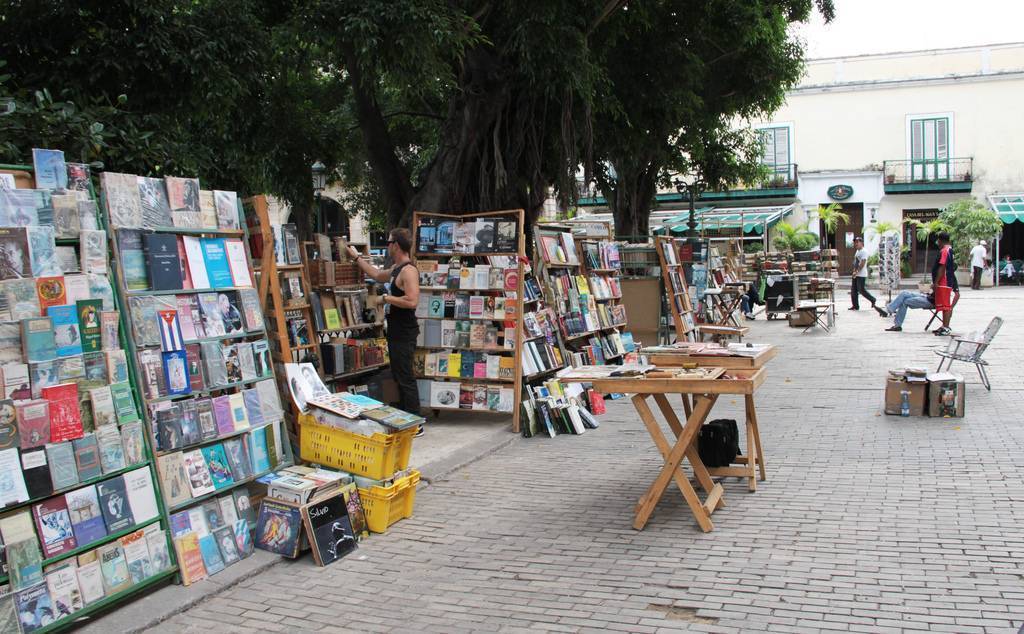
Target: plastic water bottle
(904,403)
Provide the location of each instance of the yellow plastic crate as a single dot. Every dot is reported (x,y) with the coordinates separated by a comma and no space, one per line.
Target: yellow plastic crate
(386,505)
(377,456)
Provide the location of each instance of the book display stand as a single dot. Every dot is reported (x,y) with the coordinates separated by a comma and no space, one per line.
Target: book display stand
(676,288)
(602,266)
(471,311)
(283,290)
(80,519)
(211,404)
(348,312)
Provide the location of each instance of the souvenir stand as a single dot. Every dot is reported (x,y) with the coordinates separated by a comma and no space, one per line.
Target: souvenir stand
(471,311)
(211,404)
(81,523)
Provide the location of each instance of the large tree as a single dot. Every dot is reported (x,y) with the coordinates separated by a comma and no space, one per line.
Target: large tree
(682,76)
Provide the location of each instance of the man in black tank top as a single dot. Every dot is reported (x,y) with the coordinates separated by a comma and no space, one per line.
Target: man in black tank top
(401,300)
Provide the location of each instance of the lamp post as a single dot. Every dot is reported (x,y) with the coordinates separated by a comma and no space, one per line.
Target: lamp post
(319,184)
(688,189)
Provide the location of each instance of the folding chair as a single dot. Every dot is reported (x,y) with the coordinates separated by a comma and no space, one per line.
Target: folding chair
(935,315)
(970,350)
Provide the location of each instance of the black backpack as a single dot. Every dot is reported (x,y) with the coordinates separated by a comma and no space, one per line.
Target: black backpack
(719,443)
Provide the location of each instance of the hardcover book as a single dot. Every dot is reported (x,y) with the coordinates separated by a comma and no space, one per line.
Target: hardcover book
(133,259)
(87,457)
(113,498)
(53,522)
(86,517)
(162,264)
(36,472)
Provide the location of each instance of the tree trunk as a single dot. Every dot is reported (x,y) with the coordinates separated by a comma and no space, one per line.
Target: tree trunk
(631,197)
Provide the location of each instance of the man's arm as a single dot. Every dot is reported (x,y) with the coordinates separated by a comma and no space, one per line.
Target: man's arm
(857,265)
(410,285)
(377,275)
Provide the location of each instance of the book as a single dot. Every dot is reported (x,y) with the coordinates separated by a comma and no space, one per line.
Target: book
(190,558)
(116,363)
(238,263)
(225,539)
(124,403)
(86,518)
(87,457)
(199,479)
(258,450)
(21,547)
(156,542)
(141,495)
(237,452)
(121,193)
(217,464)
(53,522)
(329,529)
(89,324)
(176,373)
(163,267)
(16,383)
(251,311)
(90,577)
(93,257)
(62,584)
(133,259)
(173,479)
(22,298)
(213,321)
(212,560)
(34,607)
(9,436)
(278,528)
(196,262)
(243,538)
(108,439)
(114,568)
(13,489)
(215,256)
(156,208)
(230,309)
(226,204)
(134,445)
(60,457)
(49,169)
(65,419)
(113,499)
(66,333)
(35,470)
(103,412)
(17,261)
(136,556)
(38,342)
(183,199)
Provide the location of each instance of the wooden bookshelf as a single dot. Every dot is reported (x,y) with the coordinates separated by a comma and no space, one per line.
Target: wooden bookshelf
(146,402)
(25,180)
(512,260)
(678,294)
(605,271)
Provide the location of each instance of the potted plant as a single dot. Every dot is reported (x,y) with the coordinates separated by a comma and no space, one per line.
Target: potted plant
(831,215)
(969,221)
(890,179)
(793,238)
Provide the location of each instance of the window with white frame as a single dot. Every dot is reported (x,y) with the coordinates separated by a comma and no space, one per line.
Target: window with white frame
(776,156)
(929,148)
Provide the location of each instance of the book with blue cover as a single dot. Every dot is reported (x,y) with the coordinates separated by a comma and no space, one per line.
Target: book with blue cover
(216,258)
(86,517)
(258,450)
(51,171)
(176,373)
(37,340)
(212,560)
(66,333)
(217,463)
(133,259)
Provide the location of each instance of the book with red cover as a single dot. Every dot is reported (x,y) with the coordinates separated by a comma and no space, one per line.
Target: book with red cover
(65,418)
(195,367)
(53,523)
(186,275)
(51,292)
(596,402)
(33,423)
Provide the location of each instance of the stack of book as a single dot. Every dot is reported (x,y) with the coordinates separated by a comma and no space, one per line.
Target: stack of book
(465,365)
(344,356)
(601,255)
(558,248)
(214,535)
(342,310)
(556,409)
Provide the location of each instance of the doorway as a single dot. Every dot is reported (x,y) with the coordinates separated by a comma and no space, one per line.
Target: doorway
(920,250)
(839,242)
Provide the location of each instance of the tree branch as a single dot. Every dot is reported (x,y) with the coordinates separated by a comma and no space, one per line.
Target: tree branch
(609,7)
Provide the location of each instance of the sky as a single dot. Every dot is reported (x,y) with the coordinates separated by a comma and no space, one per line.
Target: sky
(882,26)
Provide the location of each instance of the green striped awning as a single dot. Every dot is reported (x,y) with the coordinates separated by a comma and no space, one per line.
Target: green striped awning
(1010,207)
(751,219)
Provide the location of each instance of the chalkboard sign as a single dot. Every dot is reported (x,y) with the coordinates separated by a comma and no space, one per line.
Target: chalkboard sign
(329,529)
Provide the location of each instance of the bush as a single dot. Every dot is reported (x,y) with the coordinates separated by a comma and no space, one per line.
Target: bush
(804,242)
(968,221)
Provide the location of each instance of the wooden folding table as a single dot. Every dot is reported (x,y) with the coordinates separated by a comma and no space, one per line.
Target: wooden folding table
(705,393)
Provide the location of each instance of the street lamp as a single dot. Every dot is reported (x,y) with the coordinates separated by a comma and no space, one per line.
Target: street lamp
(682,188)
(319,184)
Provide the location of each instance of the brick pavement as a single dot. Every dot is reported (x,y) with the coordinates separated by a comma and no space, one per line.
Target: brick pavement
(867,523)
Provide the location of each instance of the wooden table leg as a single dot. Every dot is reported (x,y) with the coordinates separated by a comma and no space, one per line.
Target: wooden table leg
(645,507)
(699,470)
(752,422)
(687,407)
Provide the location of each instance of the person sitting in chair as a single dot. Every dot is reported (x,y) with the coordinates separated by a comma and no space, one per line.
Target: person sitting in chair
(1006,270)
(903,301)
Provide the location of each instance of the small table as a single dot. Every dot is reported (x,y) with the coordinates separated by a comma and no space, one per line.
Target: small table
(821,312)
(705,393)
(726,301)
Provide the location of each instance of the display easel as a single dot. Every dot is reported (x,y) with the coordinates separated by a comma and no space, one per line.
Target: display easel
(446,257)
(275,310)
(24,180)
(146,411)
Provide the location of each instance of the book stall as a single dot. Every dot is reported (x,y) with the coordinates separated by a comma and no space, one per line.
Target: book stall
(81,523)
(471,312)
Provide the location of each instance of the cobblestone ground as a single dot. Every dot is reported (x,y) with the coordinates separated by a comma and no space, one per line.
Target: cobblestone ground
(866,523)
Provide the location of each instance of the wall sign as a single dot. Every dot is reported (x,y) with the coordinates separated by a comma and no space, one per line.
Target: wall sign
(840,192)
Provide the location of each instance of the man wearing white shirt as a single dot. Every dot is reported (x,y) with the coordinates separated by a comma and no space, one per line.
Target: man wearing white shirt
(979,257)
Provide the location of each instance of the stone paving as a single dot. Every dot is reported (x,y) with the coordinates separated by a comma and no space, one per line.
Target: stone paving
(867,523)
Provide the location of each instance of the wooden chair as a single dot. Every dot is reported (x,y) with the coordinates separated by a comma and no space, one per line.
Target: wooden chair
(971,350)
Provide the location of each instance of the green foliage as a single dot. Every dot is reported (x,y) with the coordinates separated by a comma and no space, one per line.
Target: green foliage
(925,231)
(831,215)
(968,221)
(753,247)
(794,237)
(881,228)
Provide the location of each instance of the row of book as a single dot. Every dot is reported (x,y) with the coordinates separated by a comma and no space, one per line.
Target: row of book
(333,312)
(194,473)
(189,422)
(140,202)
(467,235)
(558,248)
(464,365)
(35,470)
(553,409)
(540,356)
(466,334)
(601,348)
(197,367)
(468,396)
(454,305)
(32,252)
(341,356)
(166,261)
(605,287)
(197,315)
(499,274)
(601,255)
(540,323)
(31,297)
(531,288)
(214,535)
(327,274)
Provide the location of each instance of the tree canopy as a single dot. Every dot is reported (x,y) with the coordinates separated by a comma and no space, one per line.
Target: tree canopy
(456,105)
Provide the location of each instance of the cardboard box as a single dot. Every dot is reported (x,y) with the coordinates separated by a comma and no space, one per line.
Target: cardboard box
(894,389)
(800,318)
(946,395)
